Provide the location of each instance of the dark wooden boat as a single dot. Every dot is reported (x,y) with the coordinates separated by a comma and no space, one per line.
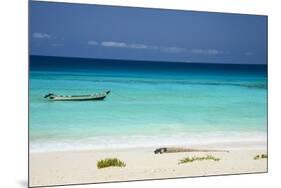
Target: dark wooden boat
(96,96)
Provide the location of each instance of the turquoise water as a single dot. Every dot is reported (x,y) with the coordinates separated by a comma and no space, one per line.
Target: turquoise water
(146,108)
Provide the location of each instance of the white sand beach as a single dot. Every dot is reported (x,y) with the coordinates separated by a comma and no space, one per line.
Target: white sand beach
(73,167)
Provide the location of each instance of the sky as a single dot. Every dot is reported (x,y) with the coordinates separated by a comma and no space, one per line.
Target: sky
(107,32)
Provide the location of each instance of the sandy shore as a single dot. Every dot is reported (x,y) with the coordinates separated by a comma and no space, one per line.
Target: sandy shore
(72,167)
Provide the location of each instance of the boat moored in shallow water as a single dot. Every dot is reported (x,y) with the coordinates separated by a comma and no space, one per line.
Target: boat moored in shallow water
(96,96)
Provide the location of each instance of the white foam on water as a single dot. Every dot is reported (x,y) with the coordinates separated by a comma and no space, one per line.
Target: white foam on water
(233,140)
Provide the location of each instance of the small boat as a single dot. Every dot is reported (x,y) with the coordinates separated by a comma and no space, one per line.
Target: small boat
(96,96)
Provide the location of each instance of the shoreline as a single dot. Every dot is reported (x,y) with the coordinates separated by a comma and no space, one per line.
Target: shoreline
(233,145)
(73,167)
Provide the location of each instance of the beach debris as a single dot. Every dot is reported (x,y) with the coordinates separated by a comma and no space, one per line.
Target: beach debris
(192,159)
(110,162)
(261,156)
(175,150)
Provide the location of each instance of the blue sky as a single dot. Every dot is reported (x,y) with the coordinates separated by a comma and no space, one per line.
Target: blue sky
(95,31)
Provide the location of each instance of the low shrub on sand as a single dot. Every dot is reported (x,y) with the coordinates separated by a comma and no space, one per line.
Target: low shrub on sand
(192,159)
(262,156)
(108,162)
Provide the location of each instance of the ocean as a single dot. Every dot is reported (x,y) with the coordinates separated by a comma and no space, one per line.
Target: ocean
(151,104)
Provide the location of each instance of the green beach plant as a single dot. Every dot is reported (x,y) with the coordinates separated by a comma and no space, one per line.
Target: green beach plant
(192,159)
(110,162)
(262,156)
(256,157)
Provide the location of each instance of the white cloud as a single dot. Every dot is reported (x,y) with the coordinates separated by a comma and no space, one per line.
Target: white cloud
(168,49)
(41,35)
(137,46)
(93,43)
(123,45)
(114,44)
(206,51)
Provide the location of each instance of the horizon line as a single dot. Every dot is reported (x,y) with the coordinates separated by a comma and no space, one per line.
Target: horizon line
(159,61)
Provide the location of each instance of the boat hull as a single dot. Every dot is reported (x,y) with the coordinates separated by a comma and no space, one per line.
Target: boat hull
(77,99)
(93,97)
